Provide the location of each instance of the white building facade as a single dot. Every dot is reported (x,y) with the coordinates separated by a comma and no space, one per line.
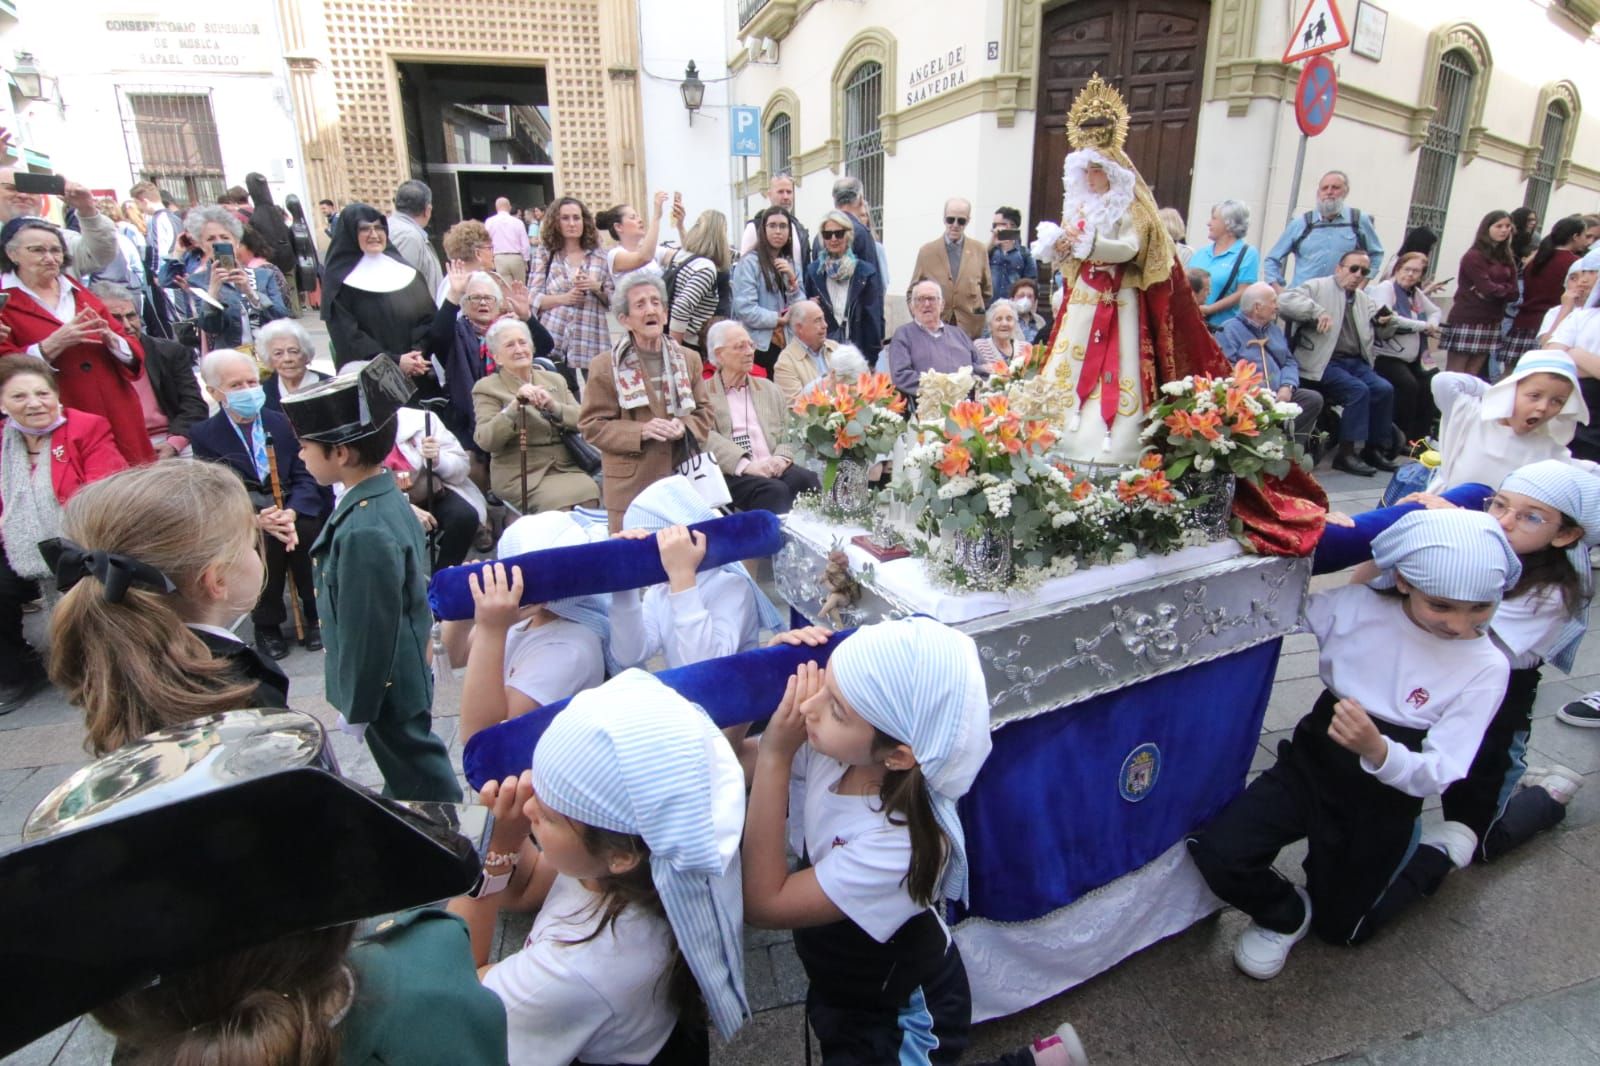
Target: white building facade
(1453,109)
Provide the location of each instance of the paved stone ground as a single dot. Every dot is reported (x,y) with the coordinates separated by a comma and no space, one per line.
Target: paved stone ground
(1502,968)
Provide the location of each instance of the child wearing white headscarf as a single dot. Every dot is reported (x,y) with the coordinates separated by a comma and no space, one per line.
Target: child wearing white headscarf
(1412,680)
(637,804)
(1550,514)
(1486,431)
(878,750)
(520,658)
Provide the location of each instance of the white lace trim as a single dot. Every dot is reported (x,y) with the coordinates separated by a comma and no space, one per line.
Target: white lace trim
(1101,210)
(1013,965)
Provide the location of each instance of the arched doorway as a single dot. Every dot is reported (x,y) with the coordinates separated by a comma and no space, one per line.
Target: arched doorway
(1154,52)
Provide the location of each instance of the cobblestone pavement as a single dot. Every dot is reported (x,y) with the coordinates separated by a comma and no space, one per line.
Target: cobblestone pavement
(1503,967)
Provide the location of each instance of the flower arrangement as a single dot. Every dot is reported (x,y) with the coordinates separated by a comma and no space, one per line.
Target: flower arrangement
(1224,425)
(857,421)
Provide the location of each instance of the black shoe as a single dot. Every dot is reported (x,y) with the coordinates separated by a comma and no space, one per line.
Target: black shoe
(1348,462)
(14,694)
(1375,459)
(313,641)
(272,645)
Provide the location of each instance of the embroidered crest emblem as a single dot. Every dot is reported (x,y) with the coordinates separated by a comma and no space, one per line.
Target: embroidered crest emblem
(1139,772)
(1418,697)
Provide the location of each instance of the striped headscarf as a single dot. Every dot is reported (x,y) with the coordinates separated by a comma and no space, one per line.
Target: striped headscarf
(1501,398)
(920,681)
(672,501)
(1455,555)
(632,756)
(1576,494)
(557,529)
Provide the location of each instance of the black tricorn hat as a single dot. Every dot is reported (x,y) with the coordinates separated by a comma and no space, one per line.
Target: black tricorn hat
(197,841)
(350,406)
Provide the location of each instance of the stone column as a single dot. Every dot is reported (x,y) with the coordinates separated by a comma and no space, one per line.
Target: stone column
(619,45)
(316,107)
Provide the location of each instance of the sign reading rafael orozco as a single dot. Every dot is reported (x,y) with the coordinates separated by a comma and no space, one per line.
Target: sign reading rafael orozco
(940,74)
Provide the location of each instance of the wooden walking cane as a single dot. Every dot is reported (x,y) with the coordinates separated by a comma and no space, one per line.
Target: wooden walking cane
(522,445)
(277,501)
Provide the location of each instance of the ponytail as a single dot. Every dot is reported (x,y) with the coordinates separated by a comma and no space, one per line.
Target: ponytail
(278,1002)
(134,666)
(904,796)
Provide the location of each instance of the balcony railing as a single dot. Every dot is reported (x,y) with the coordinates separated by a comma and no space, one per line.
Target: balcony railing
(748,9)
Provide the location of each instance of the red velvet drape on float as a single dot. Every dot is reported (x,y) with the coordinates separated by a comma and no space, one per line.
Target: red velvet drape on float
(1282,516)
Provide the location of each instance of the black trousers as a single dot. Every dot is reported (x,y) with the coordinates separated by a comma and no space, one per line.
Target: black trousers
(1487,800)
(775,494)
(1358,829)
(932,1025)
(1414,410)
(270,613)
(19,661)
(458,528)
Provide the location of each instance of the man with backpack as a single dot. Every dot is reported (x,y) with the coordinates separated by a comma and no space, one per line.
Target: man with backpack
(1320,239)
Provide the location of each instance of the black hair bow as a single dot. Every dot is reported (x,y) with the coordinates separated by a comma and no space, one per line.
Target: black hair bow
(72,563)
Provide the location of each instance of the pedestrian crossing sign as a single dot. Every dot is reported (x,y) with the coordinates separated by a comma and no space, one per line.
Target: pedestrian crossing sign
(1319,30)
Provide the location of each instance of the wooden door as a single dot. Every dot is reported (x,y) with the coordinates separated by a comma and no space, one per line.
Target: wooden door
(1153,52)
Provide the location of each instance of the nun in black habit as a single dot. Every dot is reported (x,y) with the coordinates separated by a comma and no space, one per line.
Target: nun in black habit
(374,302)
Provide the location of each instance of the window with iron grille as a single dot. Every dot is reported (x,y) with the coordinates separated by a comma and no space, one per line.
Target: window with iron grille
(1436,162)
(1544,171)
(172,139)
(778,145)
(863,140)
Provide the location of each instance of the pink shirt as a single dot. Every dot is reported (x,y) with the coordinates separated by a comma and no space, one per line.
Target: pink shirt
(507,235)
(155,420)
(746,427)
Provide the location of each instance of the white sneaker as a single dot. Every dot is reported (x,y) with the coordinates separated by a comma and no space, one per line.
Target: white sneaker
(1454,839)
(1561,782)
(1262,953)
(1061,1048)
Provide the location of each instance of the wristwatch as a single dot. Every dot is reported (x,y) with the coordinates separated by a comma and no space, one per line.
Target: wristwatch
(489,884)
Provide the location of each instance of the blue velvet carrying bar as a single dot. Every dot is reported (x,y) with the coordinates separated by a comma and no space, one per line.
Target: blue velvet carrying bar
(608,566)
(733,690)
(1342,547)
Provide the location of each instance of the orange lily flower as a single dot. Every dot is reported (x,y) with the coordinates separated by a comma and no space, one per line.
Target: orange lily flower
(957,460)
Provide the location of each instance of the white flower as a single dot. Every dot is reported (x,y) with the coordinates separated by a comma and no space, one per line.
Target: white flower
(1178,388)
(1063,519)
(1126,553)
(1272,449)
(1205,464)
(1285,408)
(1223,445)
(956,488)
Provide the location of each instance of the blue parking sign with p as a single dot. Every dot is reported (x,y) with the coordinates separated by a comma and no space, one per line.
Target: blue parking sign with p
(746,131)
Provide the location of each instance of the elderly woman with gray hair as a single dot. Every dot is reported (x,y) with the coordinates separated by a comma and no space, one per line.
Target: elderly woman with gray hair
(520,412)
(286,348)
(1232,264)
(643,397)
(239,299)
(749,442)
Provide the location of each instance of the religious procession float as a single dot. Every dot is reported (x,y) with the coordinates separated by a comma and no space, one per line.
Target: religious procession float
(1121,521)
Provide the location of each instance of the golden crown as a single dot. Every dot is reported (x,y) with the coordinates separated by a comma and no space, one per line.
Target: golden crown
(1098,118)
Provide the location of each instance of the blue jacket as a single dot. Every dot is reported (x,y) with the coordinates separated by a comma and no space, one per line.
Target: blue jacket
(216,439)
(861,320)
(1265,346)
(1006,267)
(754,304)
(1319,253)
(223,327)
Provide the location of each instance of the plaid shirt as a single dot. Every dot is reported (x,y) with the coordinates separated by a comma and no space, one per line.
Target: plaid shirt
(581,332)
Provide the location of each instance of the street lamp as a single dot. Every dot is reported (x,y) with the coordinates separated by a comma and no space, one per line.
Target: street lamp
(693,89)
(29,80)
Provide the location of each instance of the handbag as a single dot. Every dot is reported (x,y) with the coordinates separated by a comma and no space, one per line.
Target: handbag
(702,471)
(583,454)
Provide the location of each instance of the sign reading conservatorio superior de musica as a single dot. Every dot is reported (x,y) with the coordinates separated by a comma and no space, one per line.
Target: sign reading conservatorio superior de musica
(187,40)
(939,74)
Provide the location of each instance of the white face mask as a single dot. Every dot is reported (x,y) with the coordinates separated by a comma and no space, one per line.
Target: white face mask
(1023,304)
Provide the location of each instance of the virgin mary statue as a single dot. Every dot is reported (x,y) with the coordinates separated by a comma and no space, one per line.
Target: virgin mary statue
(1128,322)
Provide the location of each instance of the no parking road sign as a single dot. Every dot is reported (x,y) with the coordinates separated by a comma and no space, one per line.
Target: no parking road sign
(1315,96)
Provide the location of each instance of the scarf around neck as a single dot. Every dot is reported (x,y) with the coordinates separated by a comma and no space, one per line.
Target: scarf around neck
(628,371)
(32,511)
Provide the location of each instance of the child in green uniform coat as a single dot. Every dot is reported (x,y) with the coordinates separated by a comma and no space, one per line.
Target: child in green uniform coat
(371,569)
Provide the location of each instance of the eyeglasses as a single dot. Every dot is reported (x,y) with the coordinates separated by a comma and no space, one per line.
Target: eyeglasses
(482,300)
(1357,270)
(1528,521)
(925,299)
(833,234)
(54,251)
(954,220)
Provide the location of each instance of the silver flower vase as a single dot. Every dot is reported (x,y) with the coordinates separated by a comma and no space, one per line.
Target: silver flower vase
(984,555)
(850,494)
(1215,493)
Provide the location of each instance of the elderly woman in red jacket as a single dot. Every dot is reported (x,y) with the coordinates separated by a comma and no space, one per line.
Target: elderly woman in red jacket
(53,317)
(47,453)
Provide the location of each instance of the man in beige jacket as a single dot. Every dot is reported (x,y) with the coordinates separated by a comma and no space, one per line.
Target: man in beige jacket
(961,267)
(805,358)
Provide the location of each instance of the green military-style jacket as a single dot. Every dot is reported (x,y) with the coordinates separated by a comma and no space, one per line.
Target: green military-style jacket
(371,566)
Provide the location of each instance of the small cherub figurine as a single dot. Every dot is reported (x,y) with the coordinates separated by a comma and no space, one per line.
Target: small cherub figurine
(843,589)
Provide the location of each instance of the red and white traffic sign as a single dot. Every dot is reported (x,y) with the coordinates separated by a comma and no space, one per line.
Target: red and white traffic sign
(1315,96)
(1319,30)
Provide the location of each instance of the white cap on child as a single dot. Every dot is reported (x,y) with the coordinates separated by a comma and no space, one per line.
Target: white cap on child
(1576,494)
(1501,398)
(1455,555)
